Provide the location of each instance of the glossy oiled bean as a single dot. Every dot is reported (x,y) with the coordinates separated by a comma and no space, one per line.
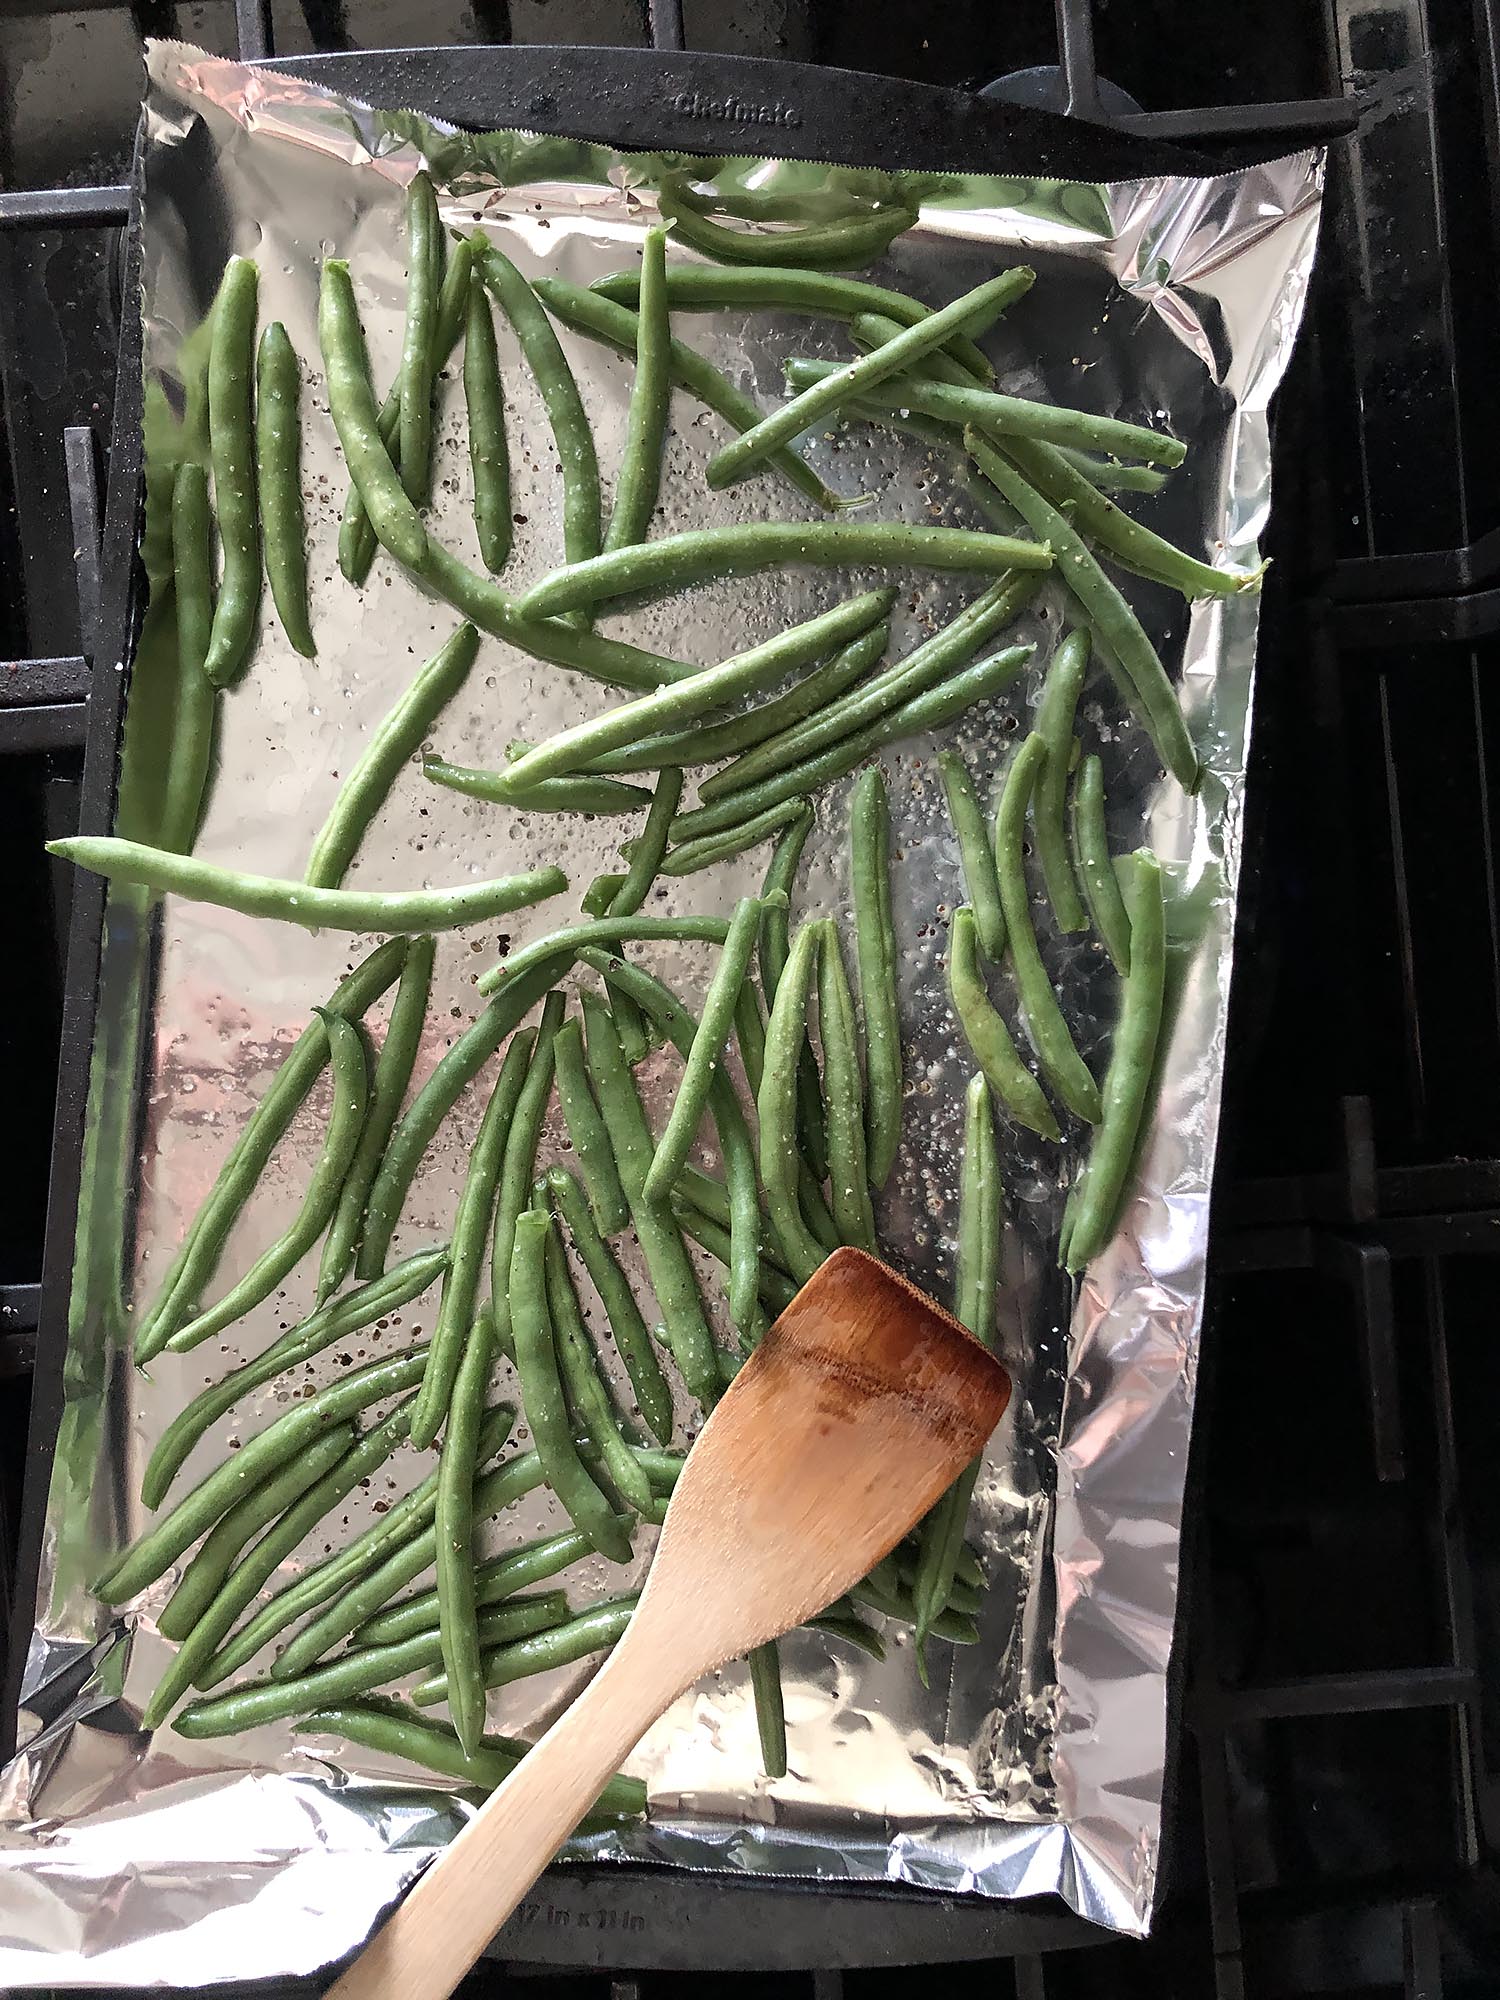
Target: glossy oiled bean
(278,464)
(1054,724)
(833,246)
(987,1035)
(872,329)
(231,444)
(689,857)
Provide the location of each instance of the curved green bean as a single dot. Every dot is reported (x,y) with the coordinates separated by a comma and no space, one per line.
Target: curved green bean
(231,449)
(586,794)
(278,465)
(606,931)
(518,1569)
(1115,625)
(337,1320)
(454,1330)
(832,246)
(397,737)
(844,1095)
(297,902)
(589,1139)
(351,403)
(542,1393)
(1061,1063)
(639,478)
(584,1390)
(743,673)
(196,709)
(453,1072)
(976,856)
(453,1527)
(876,960)
(560,398)
(519,1163)
(689,857)
(1049,798)
(350,1095)
(424,252)
(393,1068)
(987,1035)
(592,1631)
(646,857)
(154,1552)
(701,288)
(699,555)
(601,892)
(195,1658)
(776,1105)
(825,397)
(587,312)
(632,1340)
(685,1327)
(1101,889)
(1127,1081)
(489,454)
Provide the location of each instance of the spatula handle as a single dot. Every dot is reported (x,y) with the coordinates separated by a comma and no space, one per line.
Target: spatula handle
(436,1933)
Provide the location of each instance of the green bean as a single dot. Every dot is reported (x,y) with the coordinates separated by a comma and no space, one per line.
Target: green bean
(852,1630)
(231,446)
(607,931)
(586,794)
(153,1553)
(1132,1056)
(471,1228)
(710,1198)
(844,1094)
(424,250)
(646,858)
(923,668)
(350,1094)
(260,1702)
(707,744)
(776,1290)
(930,710)
(586,1395)
(399,1528)
(195,712)
(278,466)
(1062,481)
(987,1035)
(639,477)
(351,403)
(686,1330)
(489,455)
(586,312)
(956,1627)
(700,555)
(296,902)
(750,1033)
(591,1631)
(833,246)
(701,288)
(1101,891)
(825,397)
(776,1106)
(876,960)
(533,1562)
(374,1587)
(541,1390)
(871,330)
(520,1162)
(356,536)
(195,1658)
(770,1711)
(339,1319)
(586,1132)
(690,857)
(398,1055)
(1061,1063)
(1115,626)
(630,1026)
(705,1054)
(774,945)
(1054,724)
(660,1005)
(453,1527)
(394,1731)
(201,1581)
(601,892)
(976,856)
(974,1289)
(632,1341)
(198,1258)
(454,1071)
(744,673)
(992,414)
(559,393)
(396,739)
(766,205)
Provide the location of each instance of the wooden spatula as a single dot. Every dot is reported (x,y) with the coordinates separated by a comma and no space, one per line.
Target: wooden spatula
(860,1407)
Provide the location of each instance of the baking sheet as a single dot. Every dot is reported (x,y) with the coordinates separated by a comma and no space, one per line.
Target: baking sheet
(1035,1762)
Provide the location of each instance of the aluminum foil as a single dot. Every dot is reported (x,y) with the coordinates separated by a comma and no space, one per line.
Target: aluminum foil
(1035,1762)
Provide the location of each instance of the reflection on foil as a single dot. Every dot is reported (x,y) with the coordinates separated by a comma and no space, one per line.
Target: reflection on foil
(1035,1762)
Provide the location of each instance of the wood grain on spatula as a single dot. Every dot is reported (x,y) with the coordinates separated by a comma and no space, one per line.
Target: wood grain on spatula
(860,1407)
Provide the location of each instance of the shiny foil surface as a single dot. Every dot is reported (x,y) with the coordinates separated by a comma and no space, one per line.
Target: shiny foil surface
(1035,1762)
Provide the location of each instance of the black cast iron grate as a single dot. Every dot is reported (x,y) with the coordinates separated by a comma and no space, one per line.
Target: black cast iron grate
(1335,1814)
